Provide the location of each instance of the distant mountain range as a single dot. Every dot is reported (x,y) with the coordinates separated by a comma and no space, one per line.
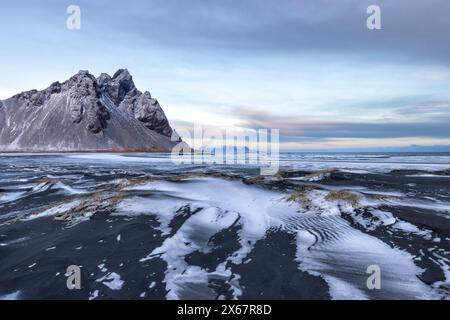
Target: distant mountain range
(404,149)
(85,113)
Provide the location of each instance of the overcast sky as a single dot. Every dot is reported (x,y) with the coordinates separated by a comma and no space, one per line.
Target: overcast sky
(308,67)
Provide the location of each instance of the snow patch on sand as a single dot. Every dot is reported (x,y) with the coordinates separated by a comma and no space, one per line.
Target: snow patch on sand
(327,246)
(112,280)
(11,296)
(59,209)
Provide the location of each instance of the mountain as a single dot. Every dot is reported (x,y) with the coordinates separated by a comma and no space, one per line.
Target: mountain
(85,113)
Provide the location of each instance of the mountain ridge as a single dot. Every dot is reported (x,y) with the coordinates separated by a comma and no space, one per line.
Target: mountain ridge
(85,113)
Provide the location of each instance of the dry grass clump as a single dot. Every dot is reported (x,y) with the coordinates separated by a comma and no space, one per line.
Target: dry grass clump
(98,201)
(103,200)
(297,196)
(344,196)
(107,200)
(255,180)
(280,175)
(383,197)
(182,177)
(136,181)
(300,197)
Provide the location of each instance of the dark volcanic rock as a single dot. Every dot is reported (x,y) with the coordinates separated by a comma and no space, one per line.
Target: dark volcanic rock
(150,113)
(85,113)
(84,101)
(119,86)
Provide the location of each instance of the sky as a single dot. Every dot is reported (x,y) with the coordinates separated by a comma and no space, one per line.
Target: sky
(310,68)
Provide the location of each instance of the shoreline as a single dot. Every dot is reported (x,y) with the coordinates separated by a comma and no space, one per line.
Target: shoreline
(78,152)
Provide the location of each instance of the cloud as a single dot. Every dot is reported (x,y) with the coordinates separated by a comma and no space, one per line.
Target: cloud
(292,128)
(437,73)
(435,109)
(410,29)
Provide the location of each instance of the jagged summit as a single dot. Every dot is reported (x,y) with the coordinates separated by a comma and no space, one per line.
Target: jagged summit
(85,113)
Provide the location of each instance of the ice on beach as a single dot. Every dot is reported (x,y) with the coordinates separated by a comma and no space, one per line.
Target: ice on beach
(327,245)
(15,241)
(410,228)
(59,209)
(93,295)
(149,158)
(11,296)
(354,163)
(10,196)
(112,280)
(213,230)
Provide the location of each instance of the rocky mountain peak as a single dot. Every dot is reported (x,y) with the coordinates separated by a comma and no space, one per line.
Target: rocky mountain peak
(119,86)
(149,112)
(122,74)
(111,109)
(103,79)
(80,77)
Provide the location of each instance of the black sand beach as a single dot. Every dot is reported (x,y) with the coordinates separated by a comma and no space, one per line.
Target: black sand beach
(153,230)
